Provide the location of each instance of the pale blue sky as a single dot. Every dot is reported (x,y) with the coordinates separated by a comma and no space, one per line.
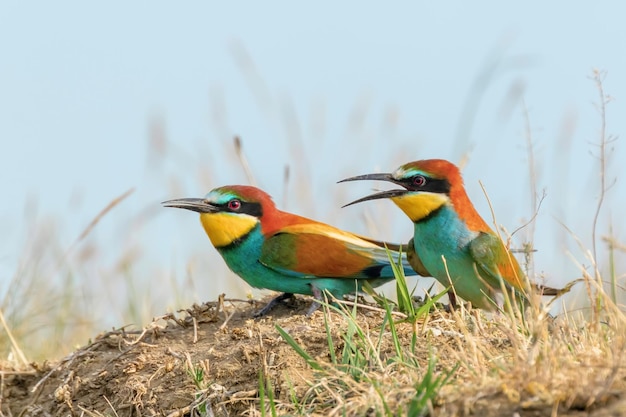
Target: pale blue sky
(370,86)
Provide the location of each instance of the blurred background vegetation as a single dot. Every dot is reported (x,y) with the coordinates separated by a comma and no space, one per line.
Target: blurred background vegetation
(103,258)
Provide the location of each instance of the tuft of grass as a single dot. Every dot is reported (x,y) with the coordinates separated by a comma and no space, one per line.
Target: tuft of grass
(370,362)
(428,388)
(201,405)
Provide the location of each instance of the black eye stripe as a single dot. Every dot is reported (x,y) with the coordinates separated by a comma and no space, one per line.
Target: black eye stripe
(253,209)
(432,185)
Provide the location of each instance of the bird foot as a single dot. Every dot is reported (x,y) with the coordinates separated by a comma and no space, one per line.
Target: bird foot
(273,302)
(315,304)
(312,309)
(452,305)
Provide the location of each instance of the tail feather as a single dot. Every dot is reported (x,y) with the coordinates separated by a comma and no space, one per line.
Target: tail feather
(555,292)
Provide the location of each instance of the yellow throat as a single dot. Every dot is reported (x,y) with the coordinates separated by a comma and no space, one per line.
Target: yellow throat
(418,206)
(224,228)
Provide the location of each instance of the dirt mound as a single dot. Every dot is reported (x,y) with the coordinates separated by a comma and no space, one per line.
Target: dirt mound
(160,370)
(214,357)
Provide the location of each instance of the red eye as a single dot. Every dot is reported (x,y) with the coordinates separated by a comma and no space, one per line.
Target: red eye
(419,181)
(234,204)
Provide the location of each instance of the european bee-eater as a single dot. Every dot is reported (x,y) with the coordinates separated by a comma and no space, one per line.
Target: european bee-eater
(451,242)
(280,251)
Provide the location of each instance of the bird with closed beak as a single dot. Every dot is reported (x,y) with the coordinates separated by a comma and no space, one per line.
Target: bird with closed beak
(276,250)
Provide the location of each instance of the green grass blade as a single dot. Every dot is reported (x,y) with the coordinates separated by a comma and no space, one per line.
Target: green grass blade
(329,336)
(405,302)
(394,334)
(308,358)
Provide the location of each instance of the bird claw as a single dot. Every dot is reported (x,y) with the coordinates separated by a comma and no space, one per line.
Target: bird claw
(317,294)
(312,308)
(273,302)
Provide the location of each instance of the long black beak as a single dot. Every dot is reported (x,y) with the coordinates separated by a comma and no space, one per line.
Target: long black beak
(376,177)
(383,194)
(199,205)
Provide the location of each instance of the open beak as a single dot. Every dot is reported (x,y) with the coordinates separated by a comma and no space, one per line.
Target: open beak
(383,194)
(199,205)
(379,195)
